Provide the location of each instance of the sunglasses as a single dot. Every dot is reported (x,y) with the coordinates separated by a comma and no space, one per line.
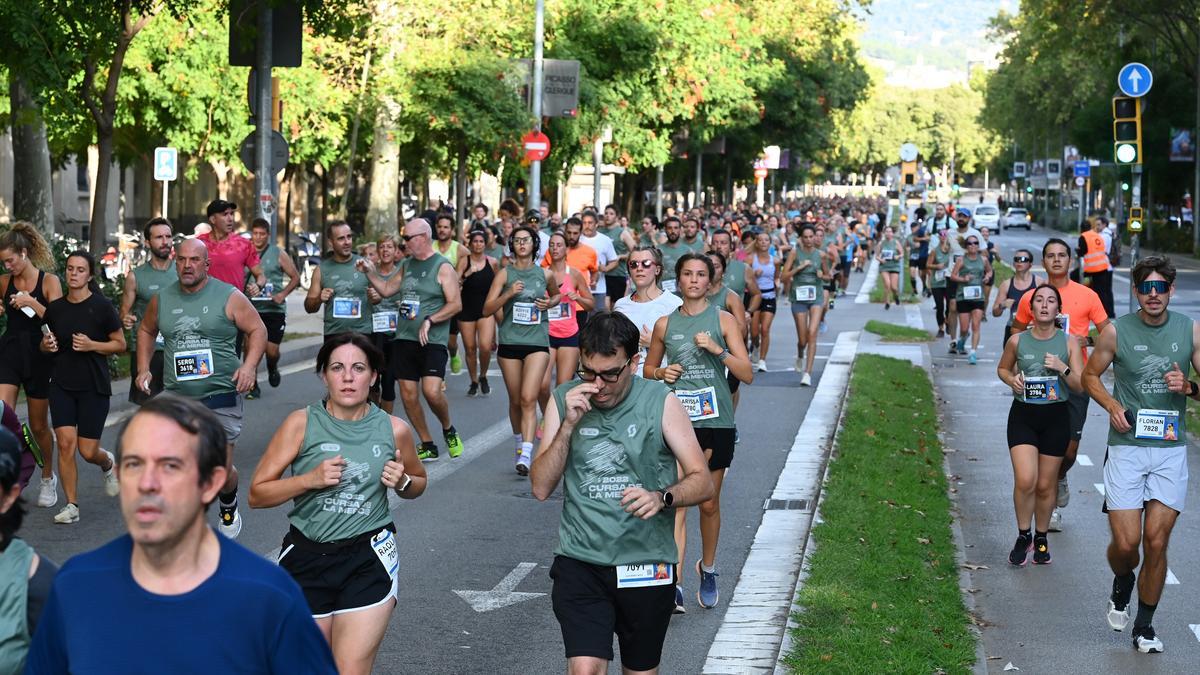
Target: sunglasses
(409,237)
(972,242)
(609,376)
(644,264)
(1156,286)
(1022,259)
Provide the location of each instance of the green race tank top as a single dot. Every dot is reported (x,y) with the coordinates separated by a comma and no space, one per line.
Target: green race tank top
(198,338)
(1144,355)
(524,323)
(1042,386)
(149,282)
(703,388)
(420,296)
(349,309)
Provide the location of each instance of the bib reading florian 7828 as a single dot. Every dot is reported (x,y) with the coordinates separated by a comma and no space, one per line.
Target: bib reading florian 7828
(199,358)
(1144,355)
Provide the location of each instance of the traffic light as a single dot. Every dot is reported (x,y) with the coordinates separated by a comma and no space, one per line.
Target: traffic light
(1029,189)
(908,173)
(1135,219)
(1125,186)
(1127,130)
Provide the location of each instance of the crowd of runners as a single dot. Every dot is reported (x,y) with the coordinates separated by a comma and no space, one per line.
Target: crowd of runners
(621,348)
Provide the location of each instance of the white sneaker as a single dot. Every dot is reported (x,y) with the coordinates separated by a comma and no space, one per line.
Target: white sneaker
(230,527)
(1146,641)
(524,461)
(1064,493)
(1055,521)
(48,492)
(111,487)
(806,380)
(1117,620)
(68,515)
(762,366)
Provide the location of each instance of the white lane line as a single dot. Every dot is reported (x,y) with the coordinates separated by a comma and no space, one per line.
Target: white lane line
(1172,580)
(1195,628)
(1099,488)
(1083,460)
(864,291)
(912,317)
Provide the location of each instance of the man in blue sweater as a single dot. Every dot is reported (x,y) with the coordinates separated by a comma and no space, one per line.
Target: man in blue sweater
(172,596)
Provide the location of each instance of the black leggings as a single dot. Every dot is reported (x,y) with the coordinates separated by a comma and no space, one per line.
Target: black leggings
(939,305)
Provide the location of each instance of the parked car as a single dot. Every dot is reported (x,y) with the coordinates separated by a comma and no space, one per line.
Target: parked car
(1016,217)
(987,215)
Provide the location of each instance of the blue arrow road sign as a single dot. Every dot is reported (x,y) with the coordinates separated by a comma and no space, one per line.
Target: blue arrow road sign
(1082,168)
(166,164)
(1135,79)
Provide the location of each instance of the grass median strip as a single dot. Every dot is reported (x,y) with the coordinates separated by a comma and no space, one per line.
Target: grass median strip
(882,593)
(891,332)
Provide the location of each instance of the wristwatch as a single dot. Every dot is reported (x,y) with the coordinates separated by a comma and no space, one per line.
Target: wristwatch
(404,484)
(1194,390)
(667,498)
(1067,372)
(723,355)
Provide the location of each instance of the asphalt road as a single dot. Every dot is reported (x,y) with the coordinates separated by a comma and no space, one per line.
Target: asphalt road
(478,524)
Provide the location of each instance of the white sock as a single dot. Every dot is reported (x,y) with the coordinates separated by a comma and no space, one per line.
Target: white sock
(527,448)
(517,439)
(708,568)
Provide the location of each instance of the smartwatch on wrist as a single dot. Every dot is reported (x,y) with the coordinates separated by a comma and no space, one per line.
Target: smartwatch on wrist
(667,498)
(1195,389)
(404,484)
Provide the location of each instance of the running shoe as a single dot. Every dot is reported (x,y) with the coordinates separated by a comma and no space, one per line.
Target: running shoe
(1117,618)
(971,358)
(454,444)
(473,390)
(1118,602)
(806,380)
(959,346)
(831,303)
(484,387)
(941,334)
(1019,554)
(69,514)
(762,366)
(254,393)
(48,492)
(111,487)
(887,305)
(1055,521)
(823,328)
(229,521)
(1041,551)
(1146,641)
(428,452)
(455,364)
(707,596)
(737,438)
(1064,492)
(524,461)
(679,608)
(953,347)
(273,376)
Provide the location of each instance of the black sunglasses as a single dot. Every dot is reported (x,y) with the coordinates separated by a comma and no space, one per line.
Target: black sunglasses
(1157,286)
(1022,259)
(609,376)
(409,237)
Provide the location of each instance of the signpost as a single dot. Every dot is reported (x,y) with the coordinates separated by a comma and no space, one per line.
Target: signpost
(537,146)
(1135,79)
(166,169)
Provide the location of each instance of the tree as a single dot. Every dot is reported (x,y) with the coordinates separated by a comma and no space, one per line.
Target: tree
(32,197)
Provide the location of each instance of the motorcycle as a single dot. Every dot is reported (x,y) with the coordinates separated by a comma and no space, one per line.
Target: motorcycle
(308,257)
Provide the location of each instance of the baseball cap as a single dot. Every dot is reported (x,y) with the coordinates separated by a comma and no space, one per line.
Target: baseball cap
(962,212)
(219,206)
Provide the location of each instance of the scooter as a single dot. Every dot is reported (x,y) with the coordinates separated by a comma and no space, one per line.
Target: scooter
(308,257)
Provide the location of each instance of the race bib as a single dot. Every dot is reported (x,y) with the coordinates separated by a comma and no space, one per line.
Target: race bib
(196,364)
(347,308)
(887,254)
(384,545)
(668,285)
(1157,425)
(939,275)
(410,307)
(159,342)
(560,311)
(384,322)
(805,293)
(526,314)
(700,404)
(640,576)
(1047,389)
(972,292)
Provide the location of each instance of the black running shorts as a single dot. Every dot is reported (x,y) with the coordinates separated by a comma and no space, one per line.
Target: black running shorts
(340,576)
(413,362)
(1040,426)
(720,442)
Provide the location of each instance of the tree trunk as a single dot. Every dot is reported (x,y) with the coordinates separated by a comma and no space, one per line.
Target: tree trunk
(460,190)
(32,198)
(284,222)
(383,205)
(221,171)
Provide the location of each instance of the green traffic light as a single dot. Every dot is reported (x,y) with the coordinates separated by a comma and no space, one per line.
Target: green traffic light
(1124,186)
(1029,188)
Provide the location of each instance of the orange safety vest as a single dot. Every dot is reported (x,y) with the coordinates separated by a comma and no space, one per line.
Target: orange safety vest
(1095,260)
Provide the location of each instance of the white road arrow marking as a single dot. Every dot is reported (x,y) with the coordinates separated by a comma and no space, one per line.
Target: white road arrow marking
(1195,627)
(503,594)
(1171,578)
(1135,79)
(1083,460)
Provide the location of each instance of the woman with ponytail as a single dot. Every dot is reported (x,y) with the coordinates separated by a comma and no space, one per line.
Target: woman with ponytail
(84,331)
(25,292)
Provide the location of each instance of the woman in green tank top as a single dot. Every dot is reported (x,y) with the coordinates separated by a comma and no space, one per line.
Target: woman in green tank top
(889,255)
(525,292)
(938,266)
(344,455)
(699,342)
(1038,365)
(805,270)
(969,273)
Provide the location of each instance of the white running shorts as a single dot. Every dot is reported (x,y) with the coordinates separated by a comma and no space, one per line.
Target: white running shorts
(1134,475)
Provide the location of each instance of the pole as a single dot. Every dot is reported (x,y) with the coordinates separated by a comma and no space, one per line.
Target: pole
(1134,250)
(658,197)
(699,199)
(597,162)
(263,178)
(534,201)
(1196,159)
(164,198)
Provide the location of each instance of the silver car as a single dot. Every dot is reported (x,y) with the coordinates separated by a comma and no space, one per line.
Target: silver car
(1016,217)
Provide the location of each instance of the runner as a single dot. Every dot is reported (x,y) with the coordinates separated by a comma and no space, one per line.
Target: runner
(671,249)
(230,255)
(1011,290)
(958,246)
(142,283)
(524,291)
(765,267)
(564,329)
(725,299)
(623,240)
(429,295)
(450,249)
(83,329)
(650,236)
(342,547)
(1145,468)
(171,596)
(648,302)
(938,266)
(607,259)
(26,291)
(476,272)
(739,276)
(806,269)
(198,348)
(1081,309)
(385,318)
(271,302)
(339,286)
(613,569)
(579,256)
(917,245)
(691,235)
(969,274)
(1038,365)
(699,342)
(889,255)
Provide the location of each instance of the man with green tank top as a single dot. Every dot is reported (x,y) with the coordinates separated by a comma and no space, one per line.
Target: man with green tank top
(341,287)
(271,302)
(142,283)
(615,442)
(1145,469)
(199,318)
(617,279)
(672,250)
(427,291)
